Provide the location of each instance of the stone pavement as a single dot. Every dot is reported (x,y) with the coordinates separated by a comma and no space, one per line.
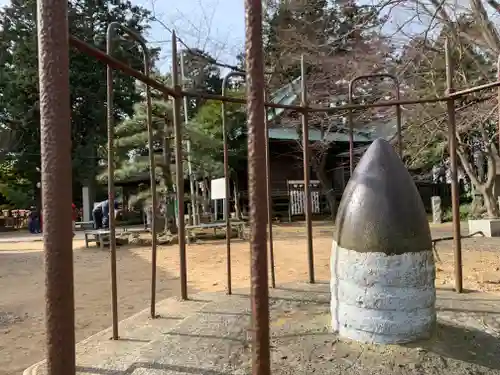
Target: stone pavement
(209,334)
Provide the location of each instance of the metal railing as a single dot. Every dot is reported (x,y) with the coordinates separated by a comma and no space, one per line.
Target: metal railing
(56,173)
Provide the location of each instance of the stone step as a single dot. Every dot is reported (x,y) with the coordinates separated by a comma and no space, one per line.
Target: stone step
(209,342)
(135,332)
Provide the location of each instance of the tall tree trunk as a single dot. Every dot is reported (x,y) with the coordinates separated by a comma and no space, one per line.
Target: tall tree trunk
(490,204)
(485,188)
(326,182)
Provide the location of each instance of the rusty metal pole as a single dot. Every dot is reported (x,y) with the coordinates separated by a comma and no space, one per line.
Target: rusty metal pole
(55,128)
(257,188)
(152,181)
(498,104)
(185,104)
(179,167)
(307,179)
(269,201)
(114,27)
(225,81)
(350,123)
(399,116)
(452,146)
(110,37)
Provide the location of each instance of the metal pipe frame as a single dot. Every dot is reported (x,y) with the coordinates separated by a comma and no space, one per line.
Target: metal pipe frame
(398,113)
(225,82)
(111,36)
(307,178)
(179,168)
(56,172)
(269,201)
(168,91)
(452,147)
(55,134)
(254,61)
(498,101)
(193,196)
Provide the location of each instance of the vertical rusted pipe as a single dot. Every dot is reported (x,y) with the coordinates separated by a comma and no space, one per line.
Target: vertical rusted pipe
(398,118)
(114,26)
(307,179)
(179,169)
(452,146)
(269,200)
(350,123)
(110,36)
(498,104)
(55,129)
(152,180)
(225,82)
(185,100)
(257,188)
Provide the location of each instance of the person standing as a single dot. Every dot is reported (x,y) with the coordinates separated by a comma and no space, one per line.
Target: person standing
(34,221)
(97,215)
(74,217)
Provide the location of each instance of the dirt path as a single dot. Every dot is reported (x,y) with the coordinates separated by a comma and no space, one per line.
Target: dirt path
(22,285)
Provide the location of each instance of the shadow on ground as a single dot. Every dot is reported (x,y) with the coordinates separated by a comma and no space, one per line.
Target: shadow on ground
(22,307)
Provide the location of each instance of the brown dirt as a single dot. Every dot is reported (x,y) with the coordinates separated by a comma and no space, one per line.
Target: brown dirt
(21,281)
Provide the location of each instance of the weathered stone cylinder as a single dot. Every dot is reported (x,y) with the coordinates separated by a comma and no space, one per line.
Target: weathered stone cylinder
(437,212)
(382,264)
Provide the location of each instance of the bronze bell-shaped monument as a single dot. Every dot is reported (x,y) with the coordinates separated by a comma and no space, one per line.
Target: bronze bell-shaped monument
(382,264)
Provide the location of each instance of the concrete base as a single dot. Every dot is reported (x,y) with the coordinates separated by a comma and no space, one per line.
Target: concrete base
(383,299)
(489,227)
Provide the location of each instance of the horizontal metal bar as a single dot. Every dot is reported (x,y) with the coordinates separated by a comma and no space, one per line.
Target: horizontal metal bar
(117,64)
(471,90)
(230,99)
(111,61)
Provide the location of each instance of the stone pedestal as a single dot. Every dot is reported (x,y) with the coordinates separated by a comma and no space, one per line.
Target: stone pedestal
(87,204)
(489,227)
(382,264)
(437,212)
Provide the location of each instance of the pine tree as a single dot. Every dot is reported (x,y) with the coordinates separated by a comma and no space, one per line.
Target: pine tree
(88,21)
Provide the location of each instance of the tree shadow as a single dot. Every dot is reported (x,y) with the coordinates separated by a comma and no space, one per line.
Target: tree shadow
(153,366)
(463,344)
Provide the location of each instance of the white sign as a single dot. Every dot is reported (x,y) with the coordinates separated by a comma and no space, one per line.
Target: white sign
(218,188)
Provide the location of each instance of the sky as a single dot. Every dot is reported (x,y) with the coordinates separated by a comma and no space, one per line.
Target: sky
(216,26)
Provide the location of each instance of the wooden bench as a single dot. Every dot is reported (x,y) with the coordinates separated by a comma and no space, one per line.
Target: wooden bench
(239,225)
(99,236)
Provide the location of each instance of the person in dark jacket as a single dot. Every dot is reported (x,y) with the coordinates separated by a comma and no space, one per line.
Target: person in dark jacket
(100,214)
(34,221)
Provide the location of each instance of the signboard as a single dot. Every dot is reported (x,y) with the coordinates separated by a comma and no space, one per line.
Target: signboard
(218,188)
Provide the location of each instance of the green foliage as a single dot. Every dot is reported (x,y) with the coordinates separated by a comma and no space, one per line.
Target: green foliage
(17,191)
(131,142)
(318,29)
(19,101)
(465,213)
(206,135)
